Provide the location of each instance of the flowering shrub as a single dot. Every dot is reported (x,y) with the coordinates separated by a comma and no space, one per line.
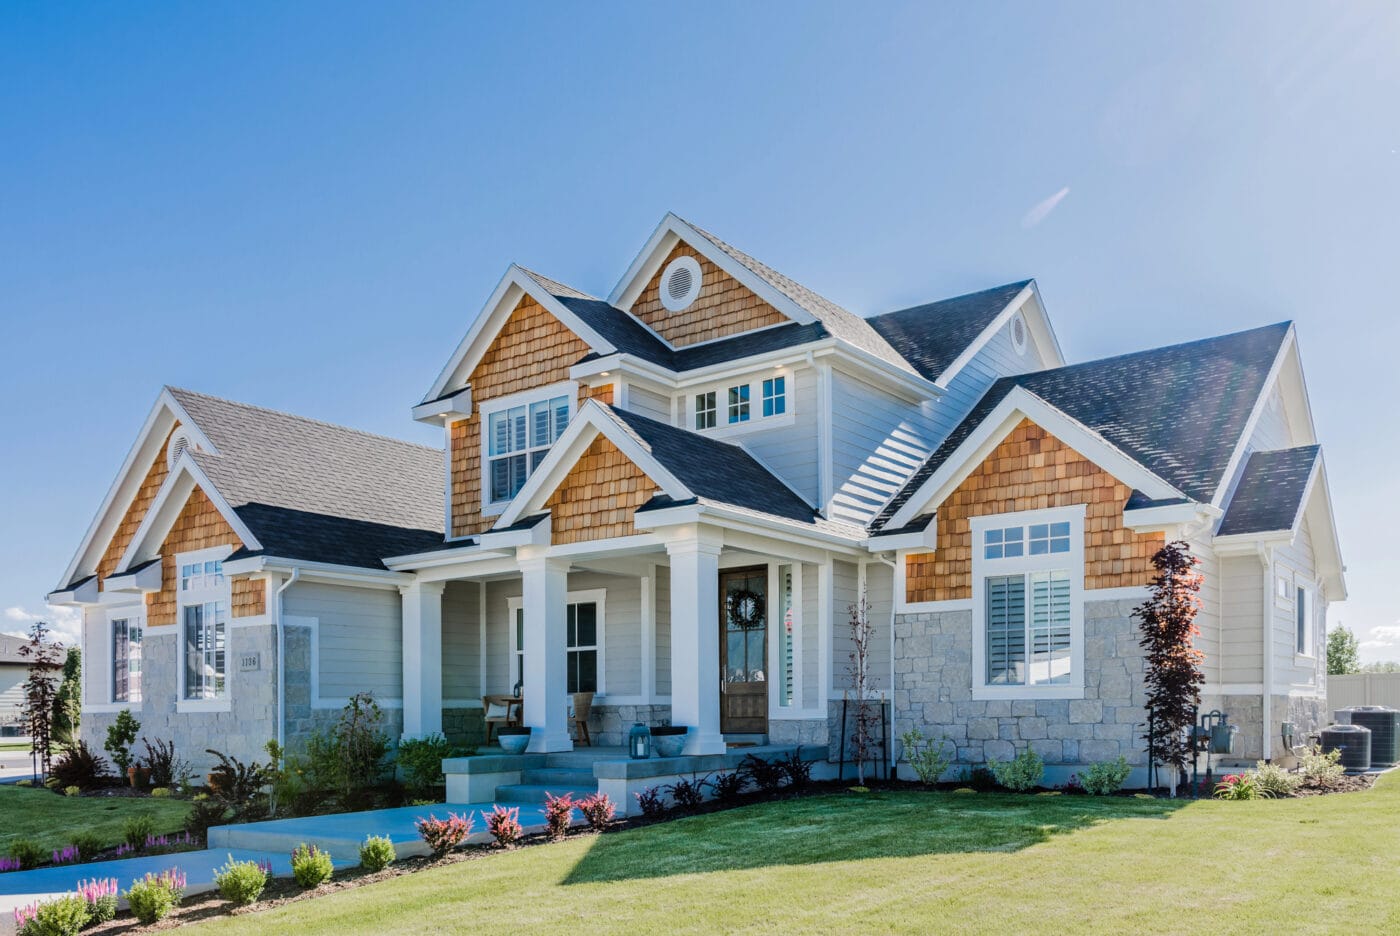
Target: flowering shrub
(166,842)
(1321,770)
(377,853)
(1105,777)
(63,916)
(124,849)
(137,830)
(558,813)
(27,853)
(311,867)
(65,855)
(154,896)
(242,882)
(1239,787)
(101,898)
(504,825)
(599,810)
(1274,780)
(9,864)
(443,835)
(1021,774)
(652,802)
(929,759)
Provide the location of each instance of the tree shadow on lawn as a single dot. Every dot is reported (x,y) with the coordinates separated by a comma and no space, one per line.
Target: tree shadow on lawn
(849,827)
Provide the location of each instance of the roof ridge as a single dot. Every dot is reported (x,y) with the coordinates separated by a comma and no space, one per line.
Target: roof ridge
(949,299)
(550,282)
(305,419)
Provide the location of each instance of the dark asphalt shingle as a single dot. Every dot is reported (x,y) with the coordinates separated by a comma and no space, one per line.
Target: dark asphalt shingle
(931,336)
(1270,492)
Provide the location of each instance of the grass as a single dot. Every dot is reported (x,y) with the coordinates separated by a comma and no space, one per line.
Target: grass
(52,821)
(916,863)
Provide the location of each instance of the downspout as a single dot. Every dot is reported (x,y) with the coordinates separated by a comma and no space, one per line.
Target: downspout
(1267,557)
(282,657)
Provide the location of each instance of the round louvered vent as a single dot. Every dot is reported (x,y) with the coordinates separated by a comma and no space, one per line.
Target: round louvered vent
(1018,333)
(179,441)
(680,283)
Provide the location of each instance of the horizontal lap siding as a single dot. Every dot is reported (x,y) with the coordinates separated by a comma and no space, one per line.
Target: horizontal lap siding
(877,443)
(199,526)
(724,306)
(461,641)
(599,496)
(359,635)
(1295,563)
(622,629)
(1242,623)
(1209,620)
(791,451)
(135,513)
(649,404)
(879,585)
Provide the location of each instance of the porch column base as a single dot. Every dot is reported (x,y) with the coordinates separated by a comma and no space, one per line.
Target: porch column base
(542,742)
(704,743)
(545,584)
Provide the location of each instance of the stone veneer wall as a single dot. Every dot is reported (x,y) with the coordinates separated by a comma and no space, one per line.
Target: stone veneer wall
(608,724)
(814,731)
(933,691)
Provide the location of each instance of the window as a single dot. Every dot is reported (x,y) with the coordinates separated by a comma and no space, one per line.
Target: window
(1027,606)
(518,439)
(705,410)
(583,647)
(206,650)
(126,659)
(775,396)
(1303,611)
(739,404)
(196,576)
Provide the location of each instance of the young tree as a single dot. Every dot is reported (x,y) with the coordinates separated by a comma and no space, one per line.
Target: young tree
(858,668)
(1173,664)
(1343,652)
(68,702)
(43,655)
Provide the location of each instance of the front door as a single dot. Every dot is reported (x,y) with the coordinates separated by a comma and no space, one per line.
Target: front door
(743,650)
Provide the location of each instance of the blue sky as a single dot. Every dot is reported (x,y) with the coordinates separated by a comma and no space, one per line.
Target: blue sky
(304,206)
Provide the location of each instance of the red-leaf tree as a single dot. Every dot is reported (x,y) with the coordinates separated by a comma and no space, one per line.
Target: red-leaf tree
(1173,664)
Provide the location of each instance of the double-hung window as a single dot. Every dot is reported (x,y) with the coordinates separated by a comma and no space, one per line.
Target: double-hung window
(518,437)
(126,659)
(1028,574)
(739,404)
(583,646)
(204,608)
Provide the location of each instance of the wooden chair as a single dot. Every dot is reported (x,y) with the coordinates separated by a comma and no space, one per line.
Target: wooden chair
(583,707)
(500,710)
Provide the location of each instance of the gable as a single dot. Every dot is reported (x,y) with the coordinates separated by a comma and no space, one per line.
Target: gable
(199,525)
(135,512)
(1032,470)
(724,307)
(599,497)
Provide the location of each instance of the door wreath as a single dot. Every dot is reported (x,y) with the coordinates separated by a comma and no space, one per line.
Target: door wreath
(745,608)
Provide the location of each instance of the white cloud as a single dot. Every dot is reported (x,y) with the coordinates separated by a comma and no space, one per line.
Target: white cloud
(66,622)
(1386,635)
(1042,210)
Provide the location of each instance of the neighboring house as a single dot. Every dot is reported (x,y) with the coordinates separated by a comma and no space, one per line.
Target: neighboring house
(14,673)
(673,496)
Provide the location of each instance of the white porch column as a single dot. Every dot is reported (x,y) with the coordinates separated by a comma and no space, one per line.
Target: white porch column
(695,640)
(422,658)
(545,584)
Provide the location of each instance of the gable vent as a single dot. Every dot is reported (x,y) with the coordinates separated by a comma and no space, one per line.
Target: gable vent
(179,441)
(1018,333)
(680,283)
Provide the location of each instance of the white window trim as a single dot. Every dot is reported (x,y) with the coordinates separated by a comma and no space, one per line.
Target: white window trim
(1073,561)
(597,596)
(567,389)
(106,687)
(133,615)
(757,421)
(222,593)
(1309,655)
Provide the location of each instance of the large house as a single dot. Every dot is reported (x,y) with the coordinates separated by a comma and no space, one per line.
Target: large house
(672,497)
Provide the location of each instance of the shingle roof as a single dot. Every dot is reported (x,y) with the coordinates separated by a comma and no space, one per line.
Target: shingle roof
(1270,492)
(722,473)
(315,491)
(931,336)
(9,649)
(1179,410)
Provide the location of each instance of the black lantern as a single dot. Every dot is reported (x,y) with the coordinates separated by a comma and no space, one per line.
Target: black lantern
(639,742)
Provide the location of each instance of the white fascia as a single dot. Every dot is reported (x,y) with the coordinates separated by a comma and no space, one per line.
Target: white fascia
(168,503)
(1020,404)
(453,406)
(85,594)
(986,335)
(143,580)
(515,283)
(1170,518)
(925,539)
(537,534)
(742,521)
(317,571)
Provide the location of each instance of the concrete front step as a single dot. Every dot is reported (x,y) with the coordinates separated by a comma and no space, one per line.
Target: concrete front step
(539,793)
(581,758)
(559,776)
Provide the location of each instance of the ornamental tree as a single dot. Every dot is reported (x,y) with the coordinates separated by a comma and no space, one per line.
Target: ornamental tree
(43,655)
(1173,664)
(1343,652)
(68,702)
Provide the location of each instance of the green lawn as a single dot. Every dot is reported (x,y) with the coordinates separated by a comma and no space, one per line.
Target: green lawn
(917,863)
(52,820)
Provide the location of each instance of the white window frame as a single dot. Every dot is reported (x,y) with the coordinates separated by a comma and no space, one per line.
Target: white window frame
(982,569)
(135,617)
(205,594)
(597,596)
(1309,608)
(106,689)
(756,421)
(774,399)
(711,411)
(567,389)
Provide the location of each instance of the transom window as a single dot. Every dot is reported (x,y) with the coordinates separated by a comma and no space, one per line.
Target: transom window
(195,576)
(1038,539)
(705,410)
(739,404)
(518,439)
(775,396)
(126,659)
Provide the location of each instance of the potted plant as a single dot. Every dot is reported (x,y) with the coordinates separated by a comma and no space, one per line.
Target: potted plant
(513,740)
(139,776)
(668,740)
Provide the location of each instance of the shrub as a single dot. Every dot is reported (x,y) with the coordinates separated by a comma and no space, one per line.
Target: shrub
(311,867)
(204,812)
(82,768)
(1106,777)
(1321,770)
(687,795)
(1274,780)
(72,791)
(160,792)
(62,916)
(504,825)
(377,853)
(137,829)
(764,774)
(443,835)
(121,735)
(927,758)
(651,802)
(101,898)
(154,896)
(88,845)
(1020,774)
(166,768)
(242,882)
(421,760)
(1239,787)
(237,785)
(349,758)
(728,787)
(797,770)
(599,810)
(980,779)
(558,813)
(27,853)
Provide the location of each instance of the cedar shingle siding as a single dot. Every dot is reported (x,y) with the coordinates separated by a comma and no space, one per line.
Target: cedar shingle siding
(199,526)
(532,349)
(135,513)
(599,495)
(1033,470)
(249,597)
(724,306)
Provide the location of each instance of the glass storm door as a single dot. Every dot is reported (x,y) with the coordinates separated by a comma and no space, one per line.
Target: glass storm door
(743,649)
